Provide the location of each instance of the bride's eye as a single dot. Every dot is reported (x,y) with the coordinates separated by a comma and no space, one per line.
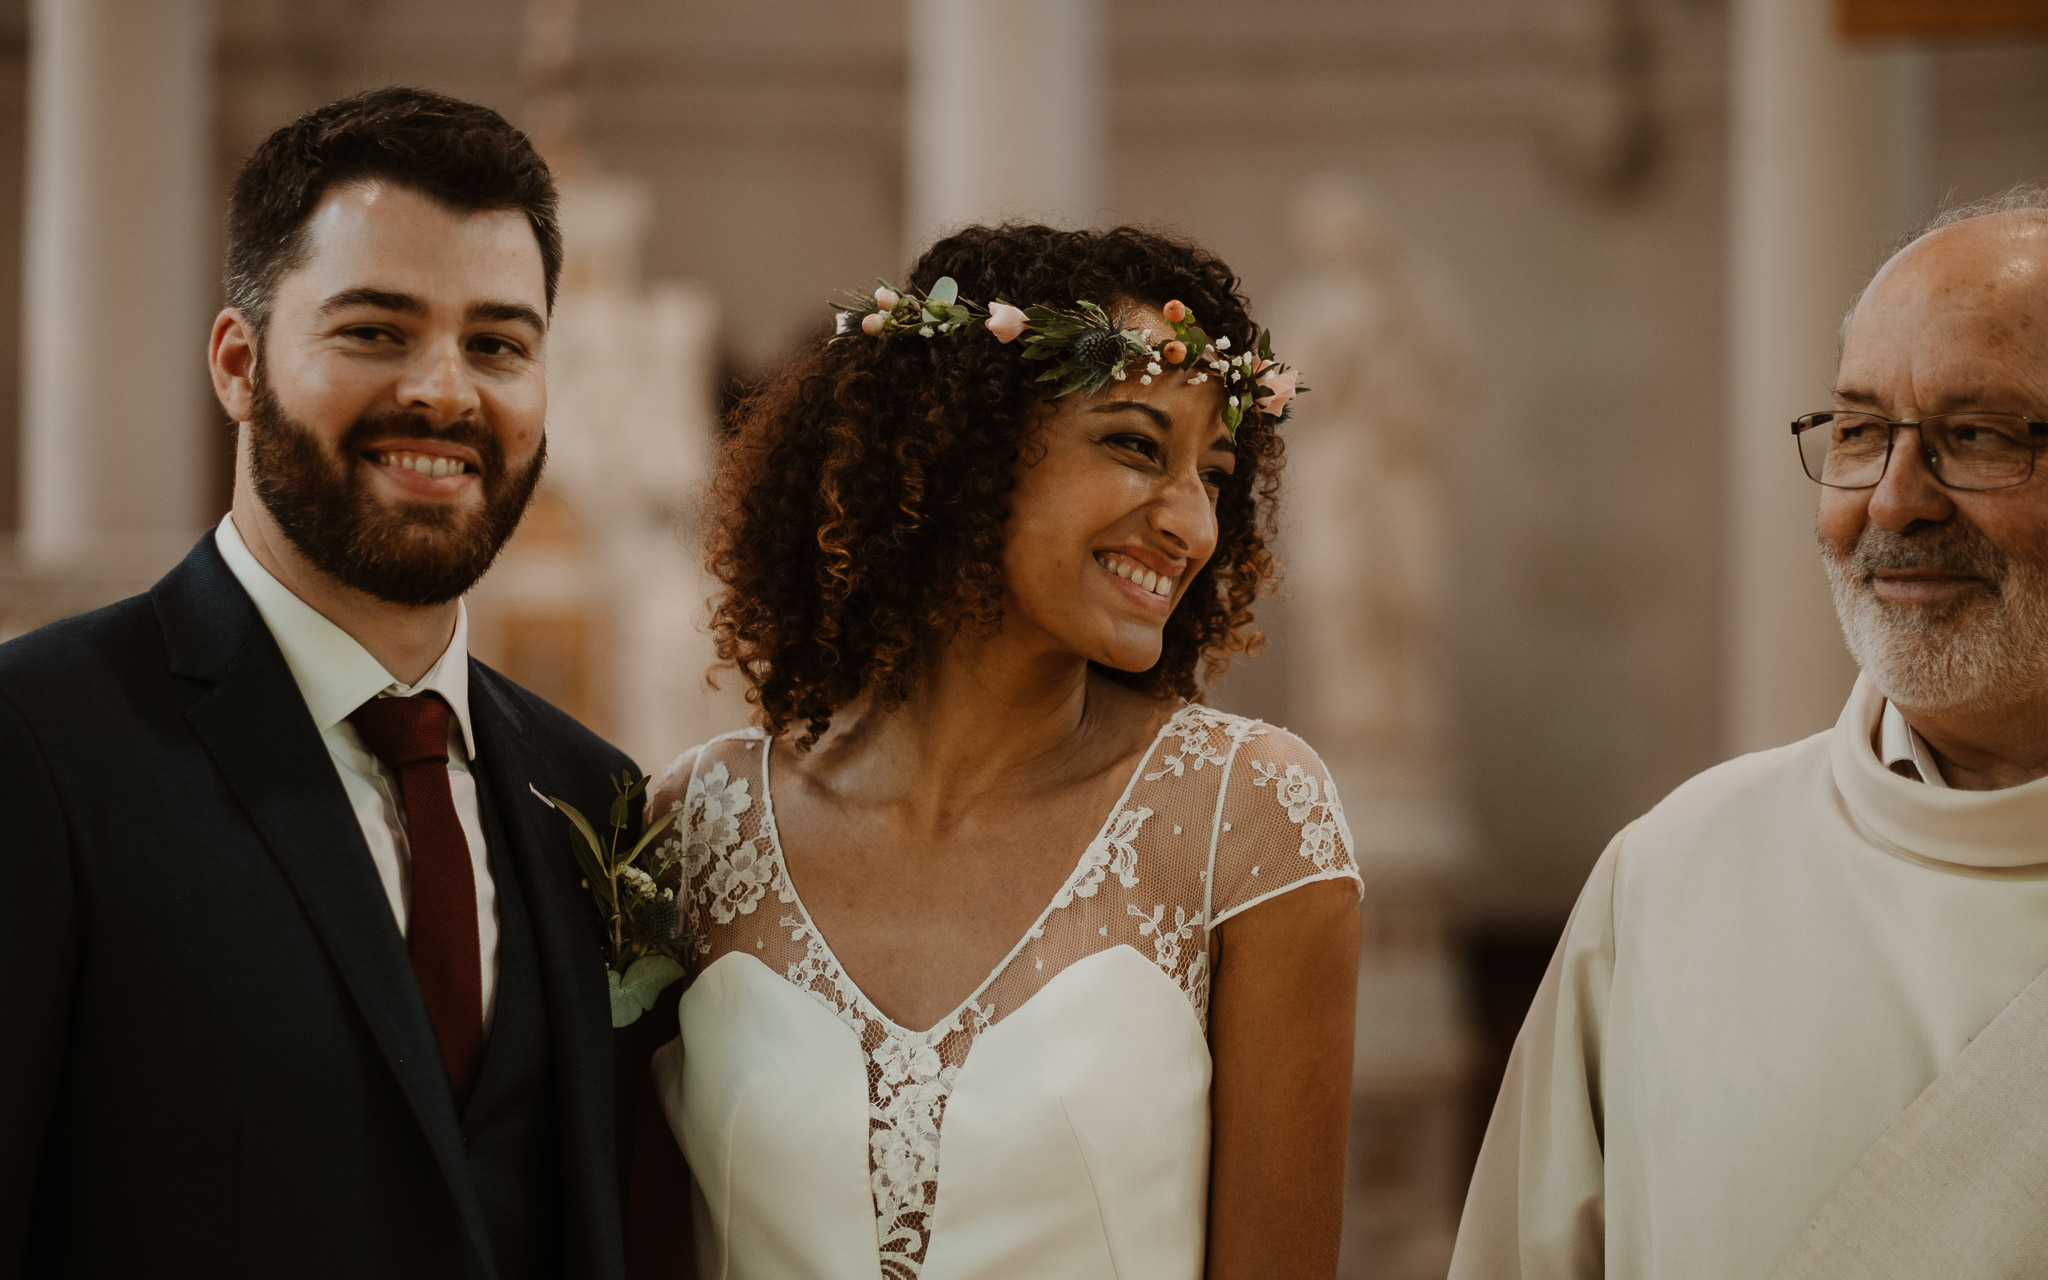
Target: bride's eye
(1144,446)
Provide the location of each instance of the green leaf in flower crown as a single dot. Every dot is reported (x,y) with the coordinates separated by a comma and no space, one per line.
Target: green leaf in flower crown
(635,993)
(944,290)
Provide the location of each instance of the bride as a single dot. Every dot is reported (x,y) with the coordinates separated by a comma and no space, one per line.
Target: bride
(1012,959)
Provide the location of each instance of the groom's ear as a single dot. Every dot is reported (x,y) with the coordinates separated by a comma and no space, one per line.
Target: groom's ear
(231,358)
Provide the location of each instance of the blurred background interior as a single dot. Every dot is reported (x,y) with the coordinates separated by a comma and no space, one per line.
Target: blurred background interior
(1559,271)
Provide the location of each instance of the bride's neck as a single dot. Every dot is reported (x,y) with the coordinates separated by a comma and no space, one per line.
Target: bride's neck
(982,719)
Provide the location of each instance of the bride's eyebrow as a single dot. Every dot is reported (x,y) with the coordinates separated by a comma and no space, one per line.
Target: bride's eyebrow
(1160,418)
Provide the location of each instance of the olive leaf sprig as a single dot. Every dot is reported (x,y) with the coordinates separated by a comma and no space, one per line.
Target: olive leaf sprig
(644,942)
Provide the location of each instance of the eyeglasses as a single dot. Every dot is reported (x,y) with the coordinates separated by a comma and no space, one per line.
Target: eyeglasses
(1975,451)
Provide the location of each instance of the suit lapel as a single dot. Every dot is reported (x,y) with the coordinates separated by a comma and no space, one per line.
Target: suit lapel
(570,948)
(255,725)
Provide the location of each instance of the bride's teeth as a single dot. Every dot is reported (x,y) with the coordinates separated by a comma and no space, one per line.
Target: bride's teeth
(1149,580)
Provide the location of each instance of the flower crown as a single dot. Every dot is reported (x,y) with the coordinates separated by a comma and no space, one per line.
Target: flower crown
(1086,349)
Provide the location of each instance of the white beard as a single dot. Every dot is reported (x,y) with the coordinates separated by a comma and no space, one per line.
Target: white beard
(1988,649)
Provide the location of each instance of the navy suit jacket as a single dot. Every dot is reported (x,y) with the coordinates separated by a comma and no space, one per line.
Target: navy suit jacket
(216,1059)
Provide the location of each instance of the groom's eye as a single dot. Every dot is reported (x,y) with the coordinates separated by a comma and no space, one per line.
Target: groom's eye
(491,345)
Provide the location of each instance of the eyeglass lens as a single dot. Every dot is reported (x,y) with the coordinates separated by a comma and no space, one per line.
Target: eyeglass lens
(1964,450)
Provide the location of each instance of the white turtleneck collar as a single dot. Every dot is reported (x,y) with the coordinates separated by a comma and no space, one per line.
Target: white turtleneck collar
(1996,830)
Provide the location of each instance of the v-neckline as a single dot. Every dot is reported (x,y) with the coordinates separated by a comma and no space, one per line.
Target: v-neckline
(947,1022)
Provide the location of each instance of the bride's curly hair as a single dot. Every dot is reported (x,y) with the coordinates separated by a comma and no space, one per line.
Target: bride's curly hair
(859,507)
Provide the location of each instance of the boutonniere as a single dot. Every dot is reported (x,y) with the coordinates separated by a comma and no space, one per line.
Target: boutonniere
(644,940)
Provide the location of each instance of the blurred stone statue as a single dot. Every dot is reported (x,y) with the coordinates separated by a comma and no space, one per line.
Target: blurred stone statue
(1364,547)
(1363,631)
(599,601)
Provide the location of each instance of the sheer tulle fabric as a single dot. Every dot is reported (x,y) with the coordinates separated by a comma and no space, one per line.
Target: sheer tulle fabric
(1221,814)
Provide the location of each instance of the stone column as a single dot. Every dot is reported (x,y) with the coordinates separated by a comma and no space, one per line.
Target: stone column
(1006,113)
(1825,142)
(116,287)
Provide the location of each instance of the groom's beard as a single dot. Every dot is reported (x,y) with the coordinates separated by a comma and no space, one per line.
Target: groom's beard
(407,553)
(1982,650)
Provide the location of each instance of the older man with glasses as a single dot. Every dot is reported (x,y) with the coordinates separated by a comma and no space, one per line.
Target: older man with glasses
(1798,1024)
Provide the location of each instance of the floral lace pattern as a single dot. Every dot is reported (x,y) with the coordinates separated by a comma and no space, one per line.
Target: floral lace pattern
(1311,804)
(1182,835)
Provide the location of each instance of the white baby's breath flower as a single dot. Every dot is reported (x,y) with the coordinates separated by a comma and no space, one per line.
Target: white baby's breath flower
(1145,380)
(1223,343)
(1153,366)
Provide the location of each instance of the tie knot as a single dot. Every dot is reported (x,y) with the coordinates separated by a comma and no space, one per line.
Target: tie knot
(404,731)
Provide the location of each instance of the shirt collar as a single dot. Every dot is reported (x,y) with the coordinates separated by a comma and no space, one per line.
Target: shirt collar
(1901,748)
(335,674)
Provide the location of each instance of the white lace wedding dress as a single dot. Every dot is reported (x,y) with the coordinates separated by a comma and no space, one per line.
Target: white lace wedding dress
(1057,1122)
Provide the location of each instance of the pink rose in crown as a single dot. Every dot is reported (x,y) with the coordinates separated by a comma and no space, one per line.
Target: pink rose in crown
(871,323)
(1004,321)
(1281,384)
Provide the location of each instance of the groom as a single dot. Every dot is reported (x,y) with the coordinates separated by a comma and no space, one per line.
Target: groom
(296,975)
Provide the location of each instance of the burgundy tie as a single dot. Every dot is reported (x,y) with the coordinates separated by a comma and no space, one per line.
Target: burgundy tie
(410,735)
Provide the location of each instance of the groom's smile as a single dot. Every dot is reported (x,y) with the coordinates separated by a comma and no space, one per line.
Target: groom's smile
(425,471)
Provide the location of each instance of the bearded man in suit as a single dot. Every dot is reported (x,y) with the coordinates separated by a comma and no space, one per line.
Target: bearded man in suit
(297,976)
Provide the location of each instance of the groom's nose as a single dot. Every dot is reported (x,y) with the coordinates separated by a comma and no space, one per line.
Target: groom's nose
(439,383)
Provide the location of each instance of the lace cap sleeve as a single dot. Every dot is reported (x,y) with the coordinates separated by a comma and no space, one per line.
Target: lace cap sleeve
(1281,825)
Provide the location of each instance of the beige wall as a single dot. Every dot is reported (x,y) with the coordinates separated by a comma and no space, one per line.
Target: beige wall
(13,156)
(1588,597)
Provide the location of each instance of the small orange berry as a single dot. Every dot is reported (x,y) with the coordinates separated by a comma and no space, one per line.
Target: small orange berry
(1174,352)
(1174,311)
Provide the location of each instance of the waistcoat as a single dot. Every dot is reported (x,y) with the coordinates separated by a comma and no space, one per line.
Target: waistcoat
(510,1123)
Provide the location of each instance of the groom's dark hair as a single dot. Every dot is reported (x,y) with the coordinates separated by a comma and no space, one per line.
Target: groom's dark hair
(457,153)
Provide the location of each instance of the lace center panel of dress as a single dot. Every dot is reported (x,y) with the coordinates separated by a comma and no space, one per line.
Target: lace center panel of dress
(1157,848)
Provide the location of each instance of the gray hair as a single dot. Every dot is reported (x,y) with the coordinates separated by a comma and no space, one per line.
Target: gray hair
(2026,199)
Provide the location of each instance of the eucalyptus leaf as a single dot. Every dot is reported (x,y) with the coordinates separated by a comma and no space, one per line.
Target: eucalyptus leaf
(635,993)
(944,289)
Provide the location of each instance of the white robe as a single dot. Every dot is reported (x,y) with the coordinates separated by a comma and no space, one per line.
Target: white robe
(1761,973)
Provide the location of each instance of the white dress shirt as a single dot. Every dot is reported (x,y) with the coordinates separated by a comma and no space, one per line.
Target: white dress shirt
(336,675)
(1904,751)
